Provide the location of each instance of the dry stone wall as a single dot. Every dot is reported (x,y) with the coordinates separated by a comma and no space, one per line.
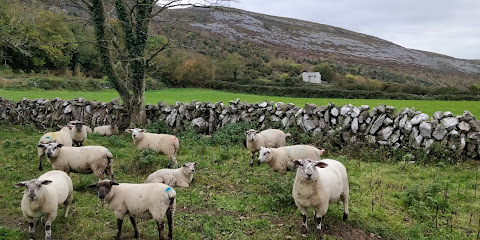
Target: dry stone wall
(381,125)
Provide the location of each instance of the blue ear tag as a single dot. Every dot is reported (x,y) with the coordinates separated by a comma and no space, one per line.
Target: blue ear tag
(168,189)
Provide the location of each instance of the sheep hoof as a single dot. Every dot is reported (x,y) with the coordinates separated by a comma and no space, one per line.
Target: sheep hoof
(258,163)
(345,217)
(304,229)
(251,164)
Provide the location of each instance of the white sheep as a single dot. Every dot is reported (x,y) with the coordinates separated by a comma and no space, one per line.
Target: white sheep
(161,143)
(42,197)
(144,201)
(266,138)
(78,132)
(181,177)
(281,159)
(63,137)
(106,130)
(86,159)
(88,129)
(317,184)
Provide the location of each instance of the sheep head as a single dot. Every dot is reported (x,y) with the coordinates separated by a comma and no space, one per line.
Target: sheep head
(51,149)
(136,132)
(264,153)
(307,168)
(33,187)
(103,188)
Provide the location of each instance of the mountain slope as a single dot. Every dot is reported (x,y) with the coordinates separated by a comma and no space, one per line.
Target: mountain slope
(306,40)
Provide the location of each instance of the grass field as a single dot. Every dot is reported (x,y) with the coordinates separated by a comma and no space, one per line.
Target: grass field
(231,200)
(188,94)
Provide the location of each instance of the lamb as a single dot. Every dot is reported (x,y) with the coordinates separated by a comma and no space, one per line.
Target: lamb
(145,201)
(265,138)
(106,130)
(42,197)
(281,159)
(86,159)
(62,137)
(78,132)
(161,143)
(181,177)
(317,184)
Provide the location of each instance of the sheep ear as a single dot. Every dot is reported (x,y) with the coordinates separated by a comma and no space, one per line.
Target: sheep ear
(195,163)
(93,185)
(143,130)
(184,165)
(246,133)
(298,162)
(114,183)
(70,126)
(46,182)
(129,130)
(60,145)
(321,165)
(41,146)
(20,184)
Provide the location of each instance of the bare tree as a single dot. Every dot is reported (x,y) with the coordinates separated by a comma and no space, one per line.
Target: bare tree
(121,30)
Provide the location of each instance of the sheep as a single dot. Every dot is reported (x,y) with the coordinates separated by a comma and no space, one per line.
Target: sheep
(160,143)
(317,184)
(63,137)
(78,132)
(42,197)
(88,129)
(265,138)
(106,130)
(86,159)
(181,177)
(281,159)
(145,201)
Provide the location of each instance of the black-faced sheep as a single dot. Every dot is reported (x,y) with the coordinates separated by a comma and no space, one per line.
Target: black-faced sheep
(317,184)
(161,143)
(266,138)
(181,177)
(42,197)
(86,159)
(281,159)
(144,201)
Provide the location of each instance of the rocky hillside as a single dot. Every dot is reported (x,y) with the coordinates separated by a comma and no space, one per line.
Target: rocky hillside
(306,40)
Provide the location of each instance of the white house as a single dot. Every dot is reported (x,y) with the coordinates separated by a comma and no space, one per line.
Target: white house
(312,77)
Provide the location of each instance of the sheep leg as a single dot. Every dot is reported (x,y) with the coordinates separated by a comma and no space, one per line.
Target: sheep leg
(173,161)
(170,222)
(41,153)
(134,223)
(119,228)
(161,229)
(31,226)
(48,225)
(318,222)
(253,158)
(67,204)
(304,227)
(345,206)
(109,169)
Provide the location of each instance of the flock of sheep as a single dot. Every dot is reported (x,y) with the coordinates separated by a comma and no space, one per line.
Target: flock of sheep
(317,182)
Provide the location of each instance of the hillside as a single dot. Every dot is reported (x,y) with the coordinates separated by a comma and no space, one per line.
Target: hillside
(303,40)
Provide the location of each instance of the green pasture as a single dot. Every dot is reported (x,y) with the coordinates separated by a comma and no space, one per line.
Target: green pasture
(172,95)
(231,200)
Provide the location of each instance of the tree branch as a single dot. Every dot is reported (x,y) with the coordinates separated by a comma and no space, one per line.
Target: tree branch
(157,52)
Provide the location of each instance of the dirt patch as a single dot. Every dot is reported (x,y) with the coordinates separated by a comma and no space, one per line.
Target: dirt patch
(339,230)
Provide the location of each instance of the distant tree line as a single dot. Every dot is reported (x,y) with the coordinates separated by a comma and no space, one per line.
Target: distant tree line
(45,41)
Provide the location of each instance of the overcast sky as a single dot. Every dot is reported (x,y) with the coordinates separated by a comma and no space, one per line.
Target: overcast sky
(450,27)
